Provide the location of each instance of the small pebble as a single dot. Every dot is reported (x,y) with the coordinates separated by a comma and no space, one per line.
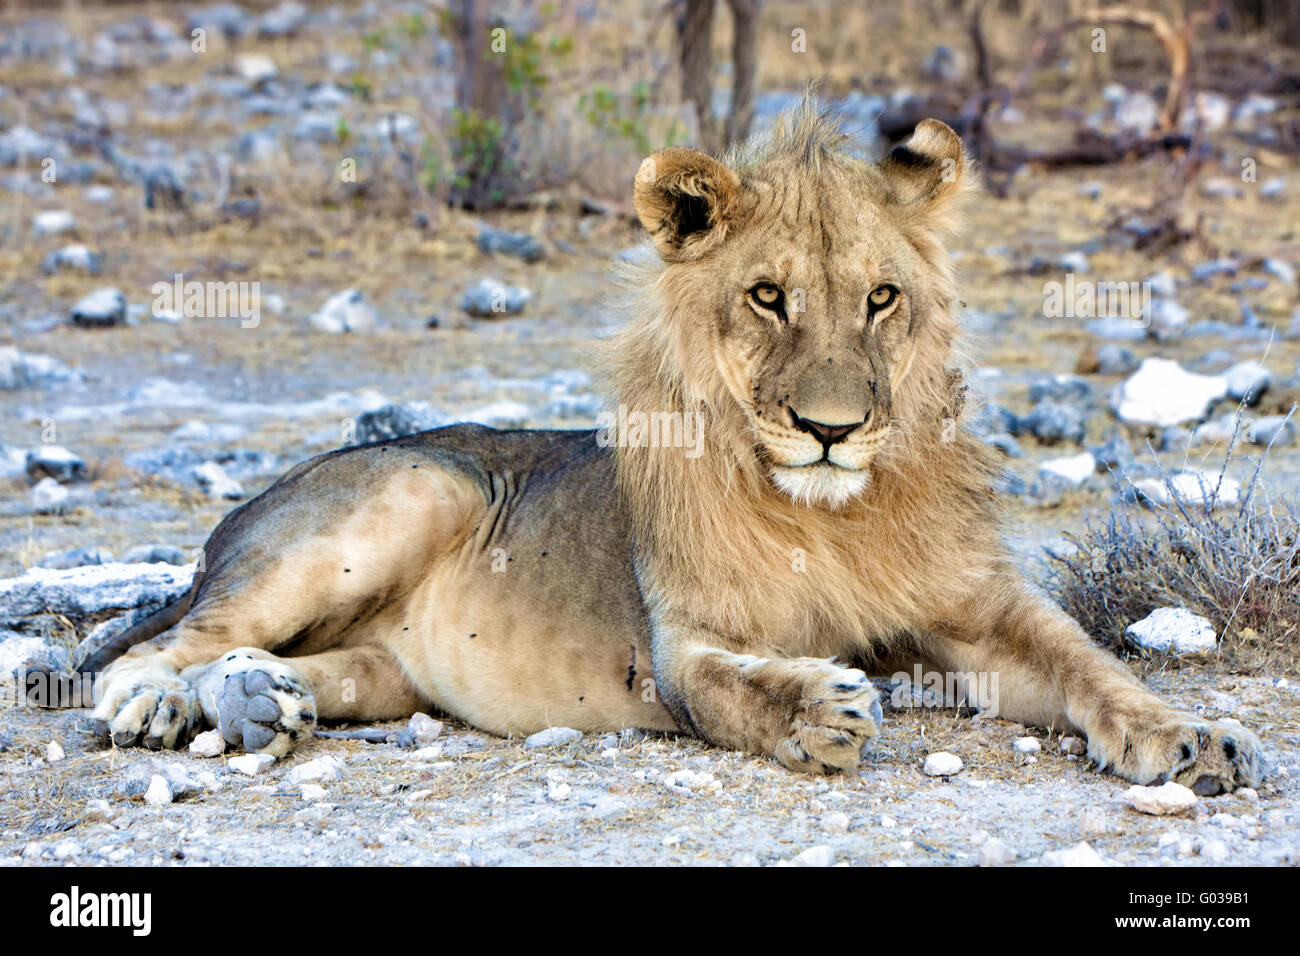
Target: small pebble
(837,822)
(54,752)
(208,744)
(250,764)
(425,728)
(1027,745)
(558,791)
(1081,854)
(552,737)
(996,852)
(322,768)
(1216,851)
(159,793)
(1162,800)
(814,856)
(942,764)
(1073,745)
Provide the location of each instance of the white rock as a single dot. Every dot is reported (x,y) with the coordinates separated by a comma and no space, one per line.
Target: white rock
(688,782)
(53,222)
(502,414)
(159,793)
(425,728)
(98,811)
(836,822)
(942,764)
(1248,381)
(1167,318)
(1194,486)
(1161,392)
(54,752)
(103,307)
(558,792)
(1027,745)
(345,311)
(322,768)
(1072,469)
(256,67)
(1092,822)
(996,852)
(887,821)
(1216,851)
(212,478)
(49,497)
(29,370)
(208,744)
(312,791)
(66,850)
(426,754)
(92,588)
(552,737)
(1081,854)
(814,856)
(1173,630)
(250,764)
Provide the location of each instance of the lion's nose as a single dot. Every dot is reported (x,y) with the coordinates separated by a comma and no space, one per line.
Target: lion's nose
(825,433)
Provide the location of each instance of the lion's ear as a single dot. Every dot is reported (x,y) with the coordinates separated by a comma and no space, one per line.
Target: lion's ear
(929,171)
(686,200)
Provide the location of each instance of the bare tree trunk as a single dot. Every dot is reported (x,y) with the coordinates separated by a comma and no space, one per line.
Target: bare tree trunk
(482,87)
(695,34)
(744,64)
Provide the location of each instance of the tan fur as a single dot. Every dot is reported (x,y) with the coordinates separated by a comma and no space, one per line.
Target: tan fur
(835,517)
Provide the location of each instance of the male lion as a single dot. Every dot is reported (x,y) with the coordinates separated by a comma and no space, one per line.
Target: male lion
(802,309)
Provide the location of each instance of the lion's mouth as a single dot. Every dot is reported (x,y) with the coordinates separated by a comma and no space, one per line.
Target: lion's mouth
(821,483)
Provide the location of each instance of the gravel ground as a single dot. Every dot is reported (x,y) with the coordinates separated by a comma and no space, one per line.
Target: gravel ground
(469,799)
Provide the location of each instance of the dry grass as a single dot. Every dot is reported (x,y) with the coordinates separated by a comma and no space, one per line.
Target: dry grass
(1238,566)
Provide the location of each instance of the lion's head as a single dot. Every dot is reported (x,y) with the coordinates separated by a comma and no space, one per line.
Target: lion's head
(807,289)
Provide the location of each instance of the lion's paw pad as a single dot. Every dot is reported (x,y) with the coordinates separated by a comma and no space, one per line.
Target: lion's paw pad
(265,709)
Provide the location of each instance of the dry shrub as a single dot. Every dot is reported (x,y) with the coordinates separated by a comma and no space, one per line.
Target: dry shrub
(1237,566)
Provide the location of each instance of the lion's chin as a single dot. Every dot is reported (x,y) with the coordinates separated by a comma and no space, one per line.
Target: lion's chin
(821,485)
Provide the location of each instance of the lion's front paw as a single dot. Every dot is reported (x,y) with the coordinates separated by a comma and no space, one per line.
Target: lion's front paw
(840,712)
(264,707)
(1210,757)
(150,709)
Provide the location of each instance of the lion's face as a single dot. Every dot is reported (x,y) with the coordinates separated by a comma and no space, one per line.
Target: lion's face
(807,287)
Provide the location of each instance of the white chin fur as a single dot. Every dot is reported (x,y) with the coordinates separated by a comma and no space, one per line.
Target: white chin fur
(821,484)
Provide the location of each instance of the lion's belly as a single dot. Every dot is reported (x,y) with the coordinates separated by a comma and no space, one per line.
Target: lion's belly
(497,659)
(534,620)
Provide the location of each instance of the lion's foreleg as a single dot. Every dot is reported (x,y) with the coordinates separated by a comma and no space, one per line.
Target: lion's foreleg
(809,713)
(1046,671)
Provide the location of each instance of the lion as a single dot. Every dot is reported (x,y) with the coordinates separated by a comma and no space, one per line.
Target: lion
(796,303)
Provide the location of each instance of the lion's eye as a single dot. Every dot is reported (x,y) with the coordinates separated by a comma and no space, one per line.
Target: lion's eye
(882,297)
(768,296)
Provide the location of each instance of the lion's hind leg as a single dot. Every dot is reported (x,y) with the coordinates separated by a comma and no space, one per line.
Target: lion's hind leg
(266,704)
